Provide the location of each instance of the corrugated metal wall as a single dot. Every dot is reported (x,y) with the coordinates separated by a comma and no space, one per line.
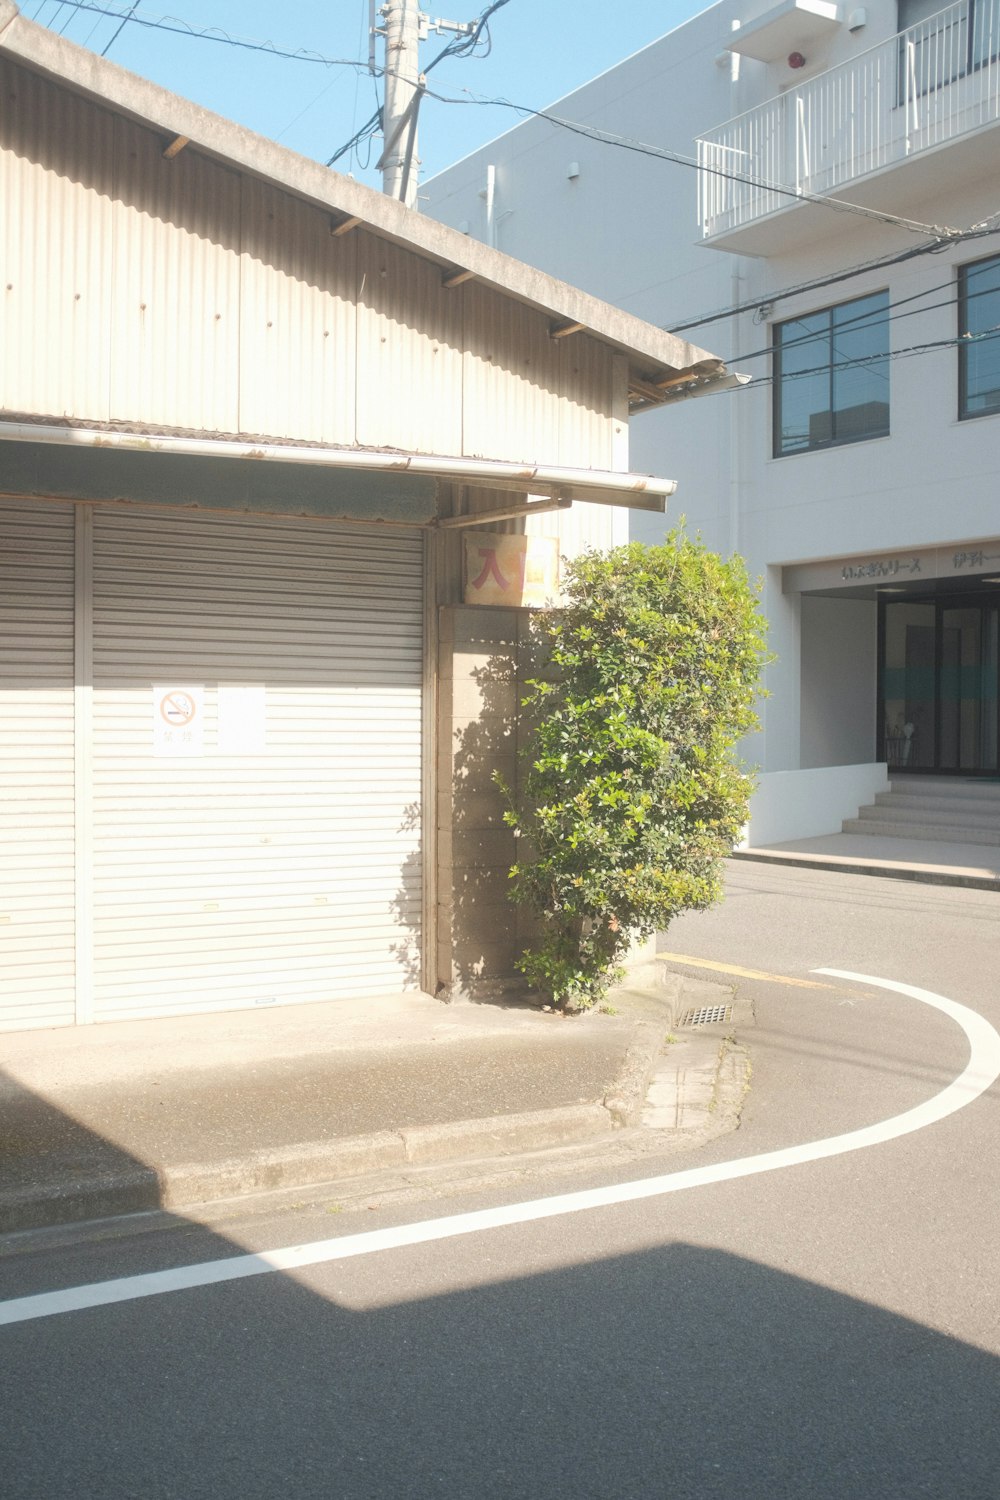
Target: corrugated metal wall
(409,352)
(56,174)
(37,843)
(182,294)
(176,237)
(555,395)
(298,328)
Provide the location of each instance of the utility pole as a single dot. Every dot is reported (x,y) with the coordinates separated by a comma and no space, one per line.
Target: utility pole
(404,28)
(402,89)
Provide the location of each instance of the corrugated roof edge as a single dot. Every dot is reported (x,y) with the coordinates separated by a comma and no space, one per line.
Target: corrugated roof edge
(652,352)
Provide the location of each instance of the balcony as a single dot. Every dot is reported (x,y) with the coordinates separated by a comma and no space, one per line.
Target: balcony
(869,131)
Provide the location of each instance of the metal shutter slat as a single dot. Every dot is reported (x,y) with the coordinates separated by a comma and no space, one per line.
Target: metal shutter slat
(37,843)
(311,849)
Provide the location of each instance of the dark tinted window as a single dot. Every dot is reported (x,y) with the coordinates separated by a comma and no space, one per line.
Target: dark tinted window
(979,332)
(832,376)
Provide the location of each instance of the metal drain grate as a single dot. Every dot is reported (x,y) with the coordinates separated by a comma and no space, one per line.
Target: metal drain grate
(708,1015)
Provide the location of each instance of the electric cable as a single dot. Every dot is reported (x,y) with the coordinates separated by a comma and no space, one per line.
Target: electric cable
(216,34)
(662,153)
(840,205)
(930,347)
(121,28)
(819,283)
(459,46)
(370,127)
(863,320)
(940,233)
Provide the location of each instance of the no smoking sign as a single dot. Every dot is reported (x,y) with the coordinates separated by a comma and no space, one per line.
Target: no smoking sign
(178,717)
(178,708)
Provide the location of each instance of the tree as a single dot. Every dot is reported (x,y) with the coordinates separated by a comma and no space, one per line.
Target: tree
(631,795)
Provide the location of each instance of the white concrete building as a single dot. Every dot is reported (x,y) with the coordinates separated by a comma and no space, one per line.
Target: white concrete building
(810,163)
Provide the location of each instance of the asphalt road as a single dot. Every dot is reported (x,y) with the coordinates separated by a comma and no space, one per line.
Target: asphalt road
(827,1330)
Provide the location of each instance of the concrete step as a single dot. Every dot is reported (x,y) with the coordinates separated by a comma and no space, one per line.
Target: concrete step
(961,806)
(955,817)
(938,786)
(940,832)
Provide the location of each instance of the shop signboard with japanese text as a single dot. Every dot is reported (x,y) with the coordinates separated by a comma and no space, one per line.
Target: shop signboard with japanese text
(520,571)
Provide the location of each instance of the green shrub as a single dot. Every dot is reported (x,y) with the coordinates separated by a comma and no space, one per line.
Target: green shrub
(630,796)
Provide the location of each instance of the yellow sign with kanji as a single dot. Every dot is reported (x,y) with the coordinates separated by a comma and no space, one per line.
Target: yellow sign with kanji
(512,570)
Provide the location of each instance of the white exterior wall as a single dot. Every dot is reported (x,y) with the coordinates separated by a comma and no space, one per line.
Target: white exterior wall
(838,682)
(625,229)
(802,804)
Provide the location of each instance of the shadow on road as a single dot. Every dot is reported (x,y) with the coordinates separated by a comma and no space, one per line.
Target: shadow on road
(52,1165)
(677,1372)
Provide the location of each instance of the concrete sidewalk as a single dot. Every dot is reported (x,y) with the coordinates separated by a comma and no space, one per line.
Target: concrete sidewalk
(167,1114)
(136,1116)
(927,861)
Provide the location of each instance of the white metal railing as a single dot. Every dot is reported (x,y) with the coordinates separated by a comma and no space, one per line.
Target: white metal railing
(929,84)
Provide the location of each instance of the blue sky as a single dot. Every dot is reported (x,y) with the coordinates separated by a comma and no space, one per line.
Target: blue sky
(541,49)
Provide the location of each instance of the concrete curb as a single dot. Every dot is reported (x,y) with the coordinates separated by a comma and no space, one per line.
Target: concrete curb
(316,1162)
(190,1185)
(921,874)
(625,1099)
(55,1204)
(310,1164)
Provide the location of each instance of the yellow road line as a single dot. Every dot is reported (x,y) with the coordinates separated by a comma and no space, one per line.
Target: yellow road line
(704,963)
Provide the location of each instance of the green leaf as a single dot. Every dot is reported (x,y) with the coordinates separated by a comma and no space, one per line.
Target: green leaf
(631,794)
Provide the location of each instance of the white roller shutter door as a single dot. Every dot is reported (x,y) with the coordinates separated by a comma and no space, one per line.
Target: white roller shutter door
(274,856)
(37,747)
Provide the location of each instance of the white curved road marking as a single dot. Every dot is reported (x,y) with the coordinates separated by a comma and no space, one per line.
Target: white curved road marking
(981,1071)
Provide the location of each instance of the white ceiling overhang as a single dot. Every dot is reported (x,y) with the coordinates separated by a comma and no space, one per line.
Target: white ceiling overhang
(786,28)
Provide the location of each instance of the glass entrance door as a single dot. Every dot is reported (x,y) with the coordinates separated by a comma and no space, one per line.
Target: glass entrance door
(939,672)
(908,685)
(968,688)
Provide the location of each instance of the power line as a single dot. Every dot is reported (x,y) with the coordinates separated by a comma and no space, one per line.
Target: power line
(369,128)
(608,138)
(214,34)
(942,234)
(464,45)
(865,321)
(802,287)
(90,33)
(364,45)
(977,231)
(121,28)
(460,46)
(300,54)
(305,109)
(931,347)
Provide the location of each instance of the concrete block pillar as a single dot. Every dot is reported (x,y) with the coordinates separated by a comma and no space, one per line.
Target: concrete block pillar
(478,697)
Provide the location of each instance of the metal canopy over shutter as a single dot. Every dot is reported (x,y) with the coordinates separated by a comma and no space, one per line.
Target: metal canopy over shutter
(37,831)
(256,761)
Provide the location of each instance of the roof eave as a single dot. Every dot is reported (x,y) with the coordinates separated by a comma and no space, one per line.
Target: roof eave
(653,354)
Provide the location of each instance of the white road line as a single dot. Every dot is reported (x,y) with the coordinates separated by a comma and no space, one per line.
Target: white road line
(982,1070)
